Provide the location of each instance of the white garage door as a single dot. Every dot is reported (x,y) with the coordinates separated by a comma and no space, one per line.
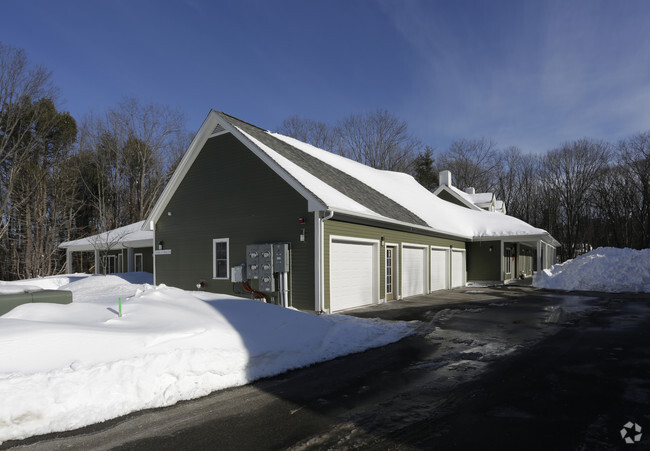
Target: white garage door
(353,278)
(413,271)
(439,269)
(457,269)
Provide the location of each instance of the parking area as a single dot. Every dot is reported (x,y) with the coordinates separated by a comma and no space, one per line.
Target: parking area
(498,368)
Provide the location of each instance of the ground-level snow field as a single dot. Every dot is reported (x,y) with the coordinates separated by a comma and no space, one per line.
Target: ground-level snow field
(66,366)
(606,269)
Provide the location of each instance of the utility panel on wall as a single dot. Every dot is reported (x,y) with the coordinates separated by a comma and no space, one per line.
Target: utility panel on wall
(259,265)
(263,260)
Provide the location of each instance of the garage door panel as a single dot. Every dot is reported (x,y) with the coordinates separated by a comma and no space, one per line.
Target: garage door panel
(413,271)
(352,274)
(457,269)
(439,269)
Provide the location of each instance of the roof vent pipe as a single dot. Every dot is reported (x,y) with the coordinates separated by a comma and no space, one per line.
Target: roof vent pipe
(445,178)
(470,190)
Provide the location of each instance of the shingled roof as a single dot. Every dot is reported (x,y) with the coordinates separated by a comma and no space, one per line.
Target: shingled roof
(337,179)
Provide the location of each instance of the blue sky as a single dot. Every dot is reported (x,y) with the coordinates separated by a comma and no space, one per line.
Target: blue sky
(528,73)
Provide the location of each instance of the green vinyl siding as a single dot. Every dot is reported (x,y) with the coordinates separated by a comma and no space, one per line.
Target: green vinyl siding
(483,261)
(337,228)
(230,193)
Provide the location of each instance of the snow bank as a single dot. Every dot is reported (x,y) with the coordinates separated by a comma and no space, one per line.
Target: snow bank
(604,269)
(66,366)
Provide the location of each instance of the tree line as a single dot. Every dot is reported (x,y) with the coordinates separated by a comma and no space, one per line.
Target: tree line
(61,180)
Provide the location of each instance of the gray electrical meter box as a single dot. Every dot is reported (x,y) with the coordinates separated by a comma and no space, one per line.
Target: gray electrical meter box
(281,257)
(259,265)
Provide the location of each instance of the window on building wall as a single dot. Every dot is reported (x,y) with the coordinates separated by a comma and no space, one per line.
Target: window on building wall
(220,258)
(508,261)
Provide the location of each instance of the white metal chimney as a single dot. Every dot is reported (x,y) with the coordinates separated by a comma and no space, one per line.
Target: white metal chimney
(445,178)
(470,190)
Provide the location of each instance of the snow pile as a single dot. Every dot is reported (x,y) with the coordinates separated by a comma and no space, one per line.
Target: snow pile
(66,366)
(604,269)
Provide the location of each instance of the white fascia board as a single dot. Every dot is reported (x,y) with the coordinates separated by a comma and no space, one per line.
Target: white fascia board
(313,202)
(520,239)
(184,166)
(205,132)
(385,219)
(465,202)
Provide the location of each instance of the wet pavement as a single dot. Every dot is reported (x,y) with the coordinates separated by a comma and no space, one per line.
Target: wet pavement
(489,368)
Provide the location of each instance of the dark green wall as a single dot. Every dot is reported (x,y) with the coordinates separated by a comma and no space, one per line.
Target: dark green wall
(147,258)
(230,193)
(483,264)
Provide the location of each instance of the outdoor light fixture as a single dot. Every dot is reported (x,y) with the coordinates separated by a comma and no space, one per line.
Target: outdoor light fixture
(490,249)
(160,244)
(301,220)
(383,241)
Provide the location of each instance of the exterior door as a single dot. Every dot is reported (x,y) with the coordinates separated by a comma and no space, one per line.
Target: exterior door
(390,272)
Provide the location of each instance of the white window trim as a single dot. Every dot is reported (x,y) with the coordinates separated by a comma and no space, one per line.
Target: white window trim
(214,258)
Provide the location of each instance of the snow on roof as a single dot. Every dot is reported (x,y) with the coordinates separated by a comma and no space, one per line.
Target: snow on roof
(481,198)
(466,197)
(437,213)
(130,235)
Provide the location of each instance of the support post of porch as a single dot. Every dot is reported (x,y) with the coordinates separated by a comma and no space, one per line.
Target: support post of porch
(129,259)
(97,260)
(68,260)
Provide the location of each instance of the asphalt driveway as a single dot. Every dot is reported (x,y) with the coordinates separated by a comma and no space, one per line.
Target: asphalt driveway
(489,368)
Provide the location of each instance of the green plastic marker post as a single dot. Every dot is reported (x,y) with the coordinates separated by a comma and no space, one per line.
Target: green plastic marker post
(120,307)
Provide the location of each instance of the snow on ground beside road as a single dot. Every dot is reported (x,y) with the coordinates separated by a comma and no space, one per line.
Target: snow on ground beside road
(66,366)
(604,269)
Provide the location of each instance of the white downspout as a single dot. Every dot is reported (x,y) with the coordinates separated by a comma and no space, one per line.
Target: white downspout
(319,257)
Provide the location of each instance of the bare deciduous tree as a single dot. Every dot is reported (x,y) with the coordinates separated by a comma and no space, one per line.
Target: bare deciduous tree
(379,140)
(635,160)
(568,175)
(134,149)
(473,163)
(21,84)
(316,133)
